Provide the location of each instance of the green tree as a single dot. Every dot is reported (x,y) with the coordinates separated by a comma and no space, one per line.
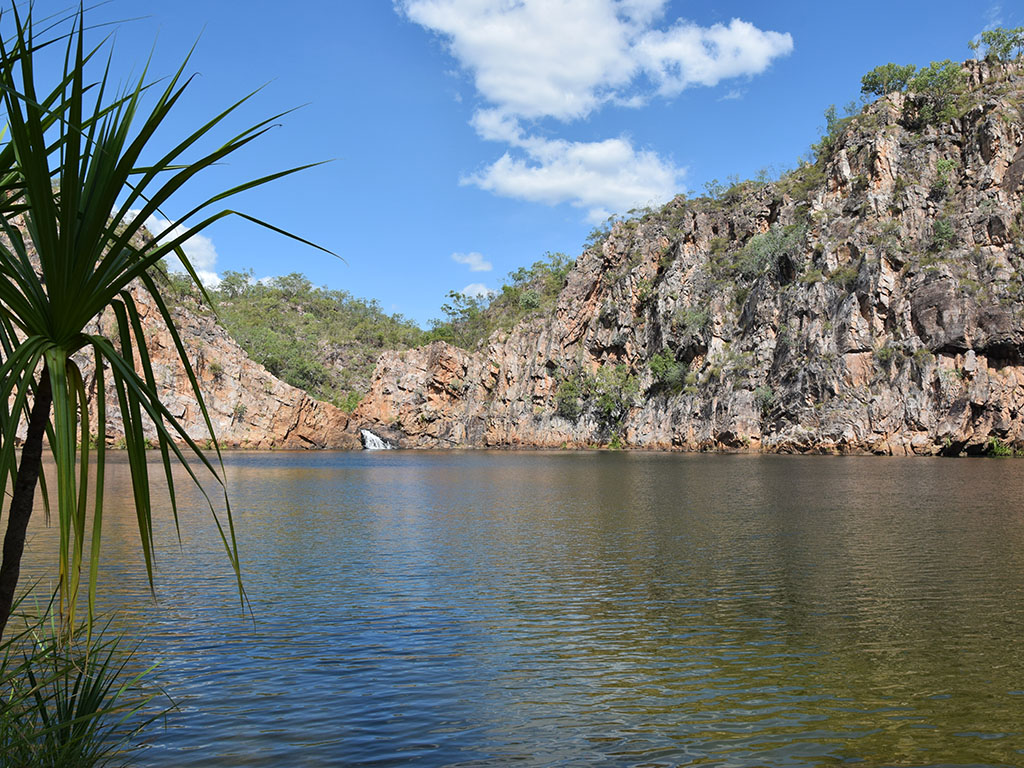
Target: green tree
(940,86)
(667,371)
(1000,44)
(887,78)
(834,126)
(527,290)
(81,175)
(764,252)
(292,285)
(466,324)
(615,392)
(567,399)
(234,284)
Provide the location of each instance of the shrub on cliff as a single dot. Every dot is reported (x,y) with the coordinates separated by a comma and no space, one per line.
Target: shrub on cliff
(764,399)
(470,320)
(834,126)
(608,395)
(668,372)
(943,235)
(615,392)
(939,86)
(567,399)
(765,253)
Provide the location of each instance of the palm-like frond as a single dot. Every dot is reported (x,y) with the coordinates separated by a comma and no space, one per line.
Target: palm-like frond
(75,194)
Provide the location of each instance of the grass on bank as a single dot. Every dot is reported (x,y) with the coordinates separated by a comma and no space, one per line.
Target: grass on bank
(69,699)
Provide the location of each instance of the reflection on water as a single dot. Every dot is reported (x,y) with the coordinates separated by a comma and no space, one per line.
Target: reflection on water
(588,608)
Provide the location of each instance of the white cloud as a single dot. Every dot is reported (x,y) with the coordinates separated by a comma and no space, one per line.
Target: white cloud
(475,261)
(642,12)
(535,58)
(199,249)
(566,58)
(495,125)
(602,177)
(688,54)
(476,290)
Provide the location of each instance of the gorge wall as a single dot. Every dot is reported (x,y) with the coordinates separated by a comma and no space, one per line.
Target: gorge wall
(871,302)
(248,407)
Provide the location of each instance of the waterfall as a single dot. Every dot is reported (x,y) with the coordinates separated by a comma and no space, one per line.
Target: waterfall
(374,442)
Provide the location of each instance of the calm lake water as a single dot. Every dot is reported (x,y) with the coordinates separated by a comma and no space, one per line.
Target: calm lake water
(586,609)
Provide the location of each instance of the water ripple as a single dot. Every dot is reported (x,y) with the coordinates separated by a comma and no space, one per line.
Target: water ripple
(601,609)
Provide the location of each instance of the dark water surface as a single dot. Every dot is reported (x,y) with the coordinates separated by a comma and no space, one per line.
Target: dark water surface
(587,609)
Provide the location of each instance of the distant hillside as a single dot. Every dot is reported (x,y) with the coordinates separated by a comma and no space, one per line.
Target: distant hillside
(248,406)
(323,341)
(327,342)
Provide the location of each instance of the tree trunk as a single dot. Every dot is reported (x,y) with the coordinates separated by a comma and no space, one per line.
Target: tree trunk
(23,497)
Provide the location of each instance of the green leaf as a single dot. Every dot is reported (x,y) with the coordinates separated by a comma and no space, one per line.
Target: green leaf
(71,177)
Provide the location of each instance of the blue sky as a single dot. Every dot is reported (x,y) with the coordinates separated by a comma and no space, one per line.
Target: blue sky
(469,137)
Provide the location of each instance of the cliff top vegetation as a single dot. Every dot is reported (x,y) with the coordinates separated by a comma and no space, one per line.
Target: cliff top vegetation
(529,291)
(323,341)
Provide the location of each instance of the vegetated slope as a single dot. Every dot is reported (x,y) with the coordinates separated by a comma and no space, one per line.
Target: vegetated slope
(528,292)
(323,341)
(872,301)
(248,406)
(327,342)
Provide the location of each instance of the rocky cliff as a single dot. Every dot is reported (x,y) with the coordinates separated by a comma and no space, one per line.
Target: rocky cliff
(248,406)
(870,302)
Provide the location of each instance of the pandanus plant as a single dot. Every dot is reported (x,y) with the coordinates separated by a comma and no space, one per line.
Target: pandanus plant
(79,177)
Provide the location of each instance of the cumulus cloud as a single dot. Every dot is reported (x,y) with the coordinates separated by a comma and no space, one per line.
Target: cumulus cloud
(477,291)
(495,125)
(602,177)
(565,58)
(688,54)
(535,58)
(475,261)
(199,249)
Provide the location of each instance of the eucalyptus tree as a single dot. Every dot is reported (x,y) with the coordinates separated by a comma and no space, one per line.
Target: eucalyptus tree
(886,79)
(1000,43)
(79,176)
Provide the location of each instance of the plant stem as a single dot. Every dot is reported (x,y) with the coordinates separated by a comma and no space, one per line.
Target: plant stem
(23,497)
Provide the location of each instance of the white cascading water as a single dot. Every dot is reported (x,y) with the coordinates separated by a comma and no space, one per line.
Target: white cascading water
(373,442)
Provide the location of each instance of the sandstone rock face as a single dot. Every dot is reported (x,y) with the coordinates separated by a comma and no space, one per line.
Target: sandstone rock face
(872,304)
(249,407)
